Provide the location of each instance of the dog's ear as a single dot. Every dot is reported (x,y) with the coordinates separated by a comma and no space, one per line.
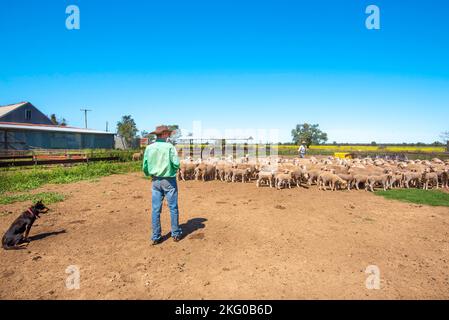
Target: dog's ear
(40,205)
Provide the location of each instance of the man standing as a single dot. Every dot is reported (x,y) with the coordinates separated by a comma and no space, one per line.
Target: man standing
(161,163)
(302,150)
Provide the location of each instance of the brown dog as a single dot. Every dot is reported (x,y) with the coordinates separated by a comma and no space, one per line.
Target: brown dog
(15,234)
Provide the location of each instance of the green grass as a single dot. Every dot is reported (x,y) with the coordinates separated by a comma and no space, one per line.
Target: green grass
(46,197)
(28,179)
(418,196)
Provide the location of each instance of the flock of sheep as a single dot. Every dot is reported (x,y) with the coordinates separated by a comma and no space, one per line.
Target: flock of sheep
(330,172)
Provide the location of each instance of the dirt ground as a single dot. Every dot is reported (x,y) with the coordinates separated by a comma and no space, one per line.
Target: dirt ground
(240,242)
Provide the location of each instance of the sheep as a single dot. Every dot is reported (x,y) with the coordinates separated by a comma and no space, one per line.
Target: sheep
(220,171)
(332,179)
(360,178)
(209,172)
(299,175)
(409,178)
(250,166)
(265,176)
(187,170)
(396,180)
(429,177)
(228,173)
(283,179)
(339,169)
(313,176)
(137,156)
(278,172)
(199,171)
(383,180)
(242,174)
(349,178)
(436,160)
(445,179)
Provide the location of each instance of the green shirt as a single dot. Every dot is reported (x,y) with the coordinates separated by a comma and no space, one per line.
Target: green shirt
(160,160)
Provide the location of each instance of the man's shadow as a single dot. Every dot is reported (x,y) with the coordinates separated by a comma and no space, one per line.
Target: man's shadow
(189,227)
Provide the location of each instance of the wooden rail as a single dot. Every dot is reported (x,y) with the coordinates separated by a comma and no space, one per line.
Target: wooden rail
(46,161)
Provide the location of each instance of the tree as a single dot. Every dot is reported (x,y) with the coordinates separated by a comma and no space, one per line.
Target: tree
(56,121)
(310,134)
(127,129)
(176,132)
(373,143)
(444,137)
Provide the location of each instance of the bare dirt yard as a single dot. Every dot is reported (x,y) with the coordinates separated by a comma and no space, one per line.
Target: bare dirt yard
(241,242)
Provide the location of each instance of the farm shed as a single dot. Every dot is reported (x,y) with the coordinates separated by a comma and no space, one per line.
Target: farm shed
(20,136)
(24,127)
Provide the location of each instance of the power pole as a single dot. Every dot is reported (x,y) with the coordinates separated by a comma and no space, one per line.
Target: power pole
(85,116)
(107,125)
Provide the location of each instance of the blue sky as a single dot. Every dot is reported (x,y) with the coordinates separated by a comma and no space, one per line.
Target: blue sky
(234,64)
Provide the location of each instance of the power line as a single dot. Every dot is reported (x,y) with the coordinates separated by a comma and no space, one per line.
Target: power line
(85,116)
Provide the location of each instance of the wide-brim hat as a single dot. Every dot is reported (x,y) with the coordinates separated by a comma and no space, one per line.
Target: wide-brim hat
(161,130)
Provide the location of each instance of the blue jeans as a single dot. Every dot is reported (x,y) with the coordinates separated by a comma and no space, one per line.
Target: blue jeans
(165,187)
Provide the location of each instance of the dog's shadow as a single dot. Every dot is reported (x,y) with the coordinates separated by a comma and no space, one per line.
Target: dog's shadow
(44,235)
(189,227)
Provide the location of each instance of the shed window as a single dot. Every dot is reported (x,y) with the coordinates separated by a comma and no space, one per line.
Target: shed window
(27,114)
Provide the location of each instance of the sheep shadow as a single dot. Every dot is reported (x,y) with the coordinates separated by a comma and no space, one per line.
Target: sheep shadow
(189,227)
(45,235)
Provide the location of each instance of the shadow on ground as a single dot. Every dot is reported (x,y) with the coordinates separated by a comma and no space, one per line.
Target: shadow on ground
(189,227)
(45,235)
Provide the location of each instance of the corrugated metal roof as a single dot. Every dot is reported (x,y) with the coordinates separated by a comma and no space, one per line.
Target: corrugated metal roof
(44,127)
(4,110)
